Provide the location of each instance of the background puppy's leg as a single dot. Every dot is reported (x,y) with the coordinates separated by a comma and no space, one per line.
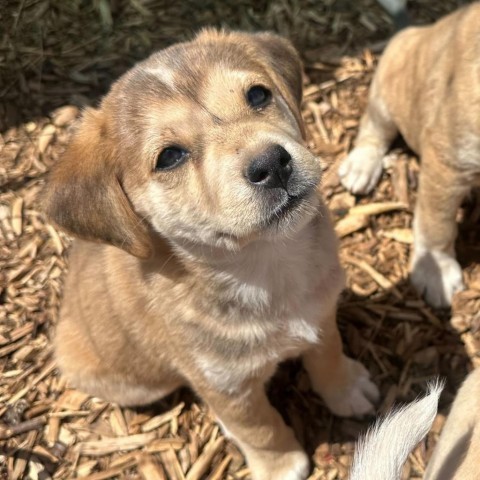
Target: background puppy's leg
(456,454)
(469,467)
(362,168)
(435,271)
(342,382)
(271,449)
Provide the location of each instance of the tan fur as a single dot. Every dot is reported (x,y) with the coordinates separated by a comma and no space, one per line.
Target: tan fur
(426,87)
(456,454)
(211,286)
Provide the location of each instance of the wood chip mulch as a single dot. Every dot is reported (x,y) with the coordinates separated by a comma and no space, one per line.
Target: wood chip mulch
(56,57)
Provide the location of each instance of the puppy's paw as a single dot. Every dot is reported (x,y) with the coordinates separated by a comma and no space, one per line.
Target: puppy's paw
(357,397)
(297,468)
(437,276)
(361,170)
(293,465)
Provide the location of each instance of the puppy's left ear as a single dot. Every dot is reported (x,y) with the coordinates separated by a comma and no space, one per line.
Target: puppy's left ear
(285,67)
(85,195)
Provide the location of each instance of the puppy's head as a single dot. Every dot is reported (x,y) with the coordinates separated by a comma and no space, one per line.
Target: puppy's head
(202,142)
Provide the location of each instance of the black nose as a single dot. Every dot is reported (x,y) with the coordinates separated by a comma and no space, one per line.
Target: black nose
(271,169)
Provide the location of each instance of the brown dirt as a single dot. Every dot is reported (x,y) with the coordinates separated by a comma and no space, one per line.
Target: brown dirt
(56,56)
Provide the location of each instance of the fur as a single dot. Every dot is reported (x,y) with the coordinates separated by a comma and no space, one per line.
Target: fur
(381,454)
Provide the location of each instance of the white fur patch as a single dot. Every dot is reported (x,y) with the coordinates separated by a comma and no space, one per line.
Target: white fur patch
(164,74)
(361,170)
(303,329)
(469,150)
(435,274)
(299,470)
(285,285)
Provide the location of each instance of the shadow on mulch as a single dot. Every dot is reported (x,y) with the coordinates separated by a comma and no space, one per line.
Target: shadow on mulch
(56,52)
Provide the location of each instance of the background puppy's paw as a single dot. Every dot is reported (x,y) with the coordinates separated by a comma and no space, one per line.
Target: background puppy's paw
(437,276)
(293,465)
(358,397)
(361,170)
(300,467)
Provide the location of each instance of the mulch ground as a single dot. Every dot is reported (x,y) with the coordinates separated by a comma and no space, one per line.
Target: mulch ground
(56,57)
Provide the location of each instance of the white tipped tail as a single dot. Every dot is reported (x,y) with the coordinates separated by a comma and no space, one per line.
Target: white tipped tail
(381,454)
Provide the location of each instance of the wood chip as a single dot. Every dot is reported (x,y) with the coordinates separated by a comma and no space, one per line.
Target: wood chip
(383,281)
(155,422)
(219,472)
(117,421)
(17,219)
(400,180)
(149,469)
(377,208)
(46,137)
(71,400)
(64,115)
(111,472)
(47,370)
(86,468)
(171,465)
(110,445)
(402,235)
(26,426)
(205,459)
(163,444)
(57,243)
(351,224)
(22,459)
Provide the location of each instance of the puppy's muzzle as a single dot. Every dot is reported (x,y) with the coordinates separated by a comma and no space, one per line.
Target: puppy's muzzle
(271,169)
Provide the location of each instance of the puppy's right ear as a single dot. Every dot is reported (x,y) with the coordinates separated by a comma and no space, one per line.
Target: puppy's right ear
(84,194)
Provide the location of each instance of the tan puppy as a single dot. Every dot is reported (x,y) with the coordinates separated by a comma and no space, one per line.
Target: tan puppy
(427,88)
(195,167)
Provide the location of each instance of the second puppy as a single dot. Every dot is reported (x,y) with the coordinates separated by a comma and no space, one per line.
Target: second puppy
(427,88)
(217,259)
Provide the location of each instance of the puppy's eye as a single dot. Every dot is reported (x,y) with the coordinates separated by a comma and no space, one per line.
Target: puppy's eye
(258,96)
(170,157)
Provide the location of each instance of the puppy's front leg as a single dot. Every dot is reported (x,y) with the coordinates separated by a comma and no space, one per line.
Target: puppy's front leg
(342,382)
(435,271)
(270,447)
(361,169)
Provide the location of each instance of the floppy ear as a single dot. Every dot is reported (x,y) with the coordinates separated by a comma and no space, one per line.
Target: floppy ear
(84,194)
(284,65)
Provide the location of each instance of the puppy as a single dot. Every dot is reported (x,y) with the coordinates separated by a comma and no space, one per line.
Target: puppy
(426,87)
(206,254)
